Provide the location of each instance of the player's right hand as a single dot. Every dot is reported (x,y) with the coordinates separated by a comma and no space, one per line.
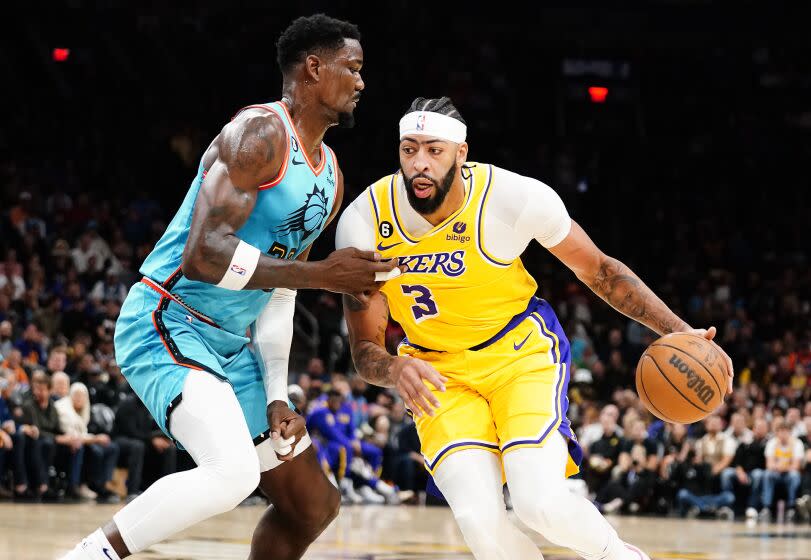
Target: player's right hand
(409,376)
(355,272)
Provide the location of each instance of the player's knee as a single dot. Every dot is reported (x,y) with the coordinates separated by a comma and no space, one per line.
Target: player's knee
(477,522)
(318,514)
(542,509)
(236,478)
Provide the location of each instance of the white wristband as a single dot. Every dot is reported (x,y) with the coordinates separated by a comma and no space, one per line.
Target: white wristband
(243,264)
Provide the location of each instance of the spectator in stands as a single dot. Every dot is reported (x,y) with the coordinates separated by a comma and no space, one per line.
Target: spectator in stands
(297,396)
(695,496)
(784,454)
(334,424)
(57,360)
(117,382)
(795,423)
(737,429)
(592,429)
(100,392)
(715,448)
(109,289)
(633,479)
(48,443)
(141,441)
(14,363)
(675,447)
(604,453)
(101,454)
(748,467)
(11,277)
(409,468)
(60,385)
(6,342)
(8,429)
(30,346)
(357,400)
(49,316)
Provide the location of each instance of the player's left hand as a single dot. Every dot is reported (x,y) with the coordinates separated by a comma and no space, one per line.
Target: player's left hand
(286,429)
(709,334)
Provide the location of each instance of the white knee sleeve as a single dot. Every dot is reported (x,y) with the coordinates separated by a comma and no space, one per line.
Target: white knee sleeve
(471,482)
(210,425)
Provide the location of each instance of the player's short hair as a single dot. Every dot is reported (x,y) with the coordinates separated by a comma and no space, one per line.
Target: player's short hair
(312,34)
(443,106)
(334,393)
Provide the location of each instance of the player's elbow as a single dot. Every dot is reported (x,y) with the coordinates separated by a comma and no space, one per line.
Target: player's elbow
(199,262)
(191,267)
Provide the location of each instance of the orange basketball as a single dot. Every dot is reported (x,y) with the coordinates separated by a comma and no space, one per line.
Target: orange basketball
(681,378)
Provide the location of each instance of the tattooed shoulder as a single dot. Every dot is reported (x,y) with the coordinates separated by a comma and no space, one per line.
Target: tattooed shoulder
(249,145)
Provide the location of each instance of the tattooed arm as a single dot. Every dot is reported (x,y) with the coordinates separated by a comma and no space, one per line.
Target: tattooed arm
(615,283)
(621,288)
(367,336)
(248,152)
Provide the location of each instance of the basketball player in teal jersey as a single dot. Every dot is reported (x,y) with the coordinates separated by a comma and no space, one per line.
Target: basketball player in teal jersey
(230,261)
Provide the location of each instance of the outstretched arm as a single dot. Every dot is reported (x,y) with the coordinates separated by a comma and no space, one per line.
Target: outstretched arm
(247,153)
(617,284)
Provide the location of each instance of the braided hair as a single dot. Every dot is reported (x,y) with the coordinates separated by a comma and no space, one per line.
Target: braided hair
(443,106)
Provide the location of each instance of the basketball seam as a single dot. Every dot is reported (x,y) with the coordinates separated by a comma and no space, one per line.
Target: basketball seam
(647,396)
(676,388)
(696,360)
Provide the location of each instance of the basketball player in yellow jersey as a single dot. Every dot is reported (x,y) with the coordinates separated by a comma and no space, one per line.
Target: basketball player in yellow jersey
(485,364)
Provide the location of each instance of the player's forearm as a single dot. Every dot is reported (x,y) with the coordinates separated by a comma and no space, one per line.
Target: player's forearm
(373,363)
(624,291)
(211,259)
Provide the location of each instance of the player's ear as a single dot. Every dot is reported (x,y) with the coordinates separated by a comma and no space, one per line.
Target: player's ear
(312,66)
(461,154)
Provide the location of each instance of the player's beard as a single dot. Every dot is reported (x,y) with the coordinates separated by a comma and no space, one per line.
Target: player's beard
(441,190)
(346,120)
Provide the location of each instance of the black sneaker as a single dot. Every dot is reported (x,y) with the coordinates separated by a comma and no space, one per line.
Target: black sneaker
(107,497)
(51,496)
(72,494)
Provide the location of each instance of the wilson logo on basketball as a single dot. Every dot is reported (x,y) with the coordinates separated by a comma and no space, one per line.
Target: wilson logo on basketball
(703,391)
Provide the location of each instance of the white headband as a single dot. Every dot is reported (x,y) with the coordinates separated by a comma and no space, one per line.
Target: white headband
(433,124)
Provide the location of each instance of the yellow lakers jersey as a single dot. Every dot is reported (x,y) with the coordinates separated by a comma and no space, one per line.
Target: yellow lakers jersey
(453,295)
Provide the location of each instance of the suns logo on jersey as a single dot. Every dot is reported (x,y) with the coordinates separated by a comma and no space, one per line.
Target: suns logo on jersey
(449,264)
(309,217)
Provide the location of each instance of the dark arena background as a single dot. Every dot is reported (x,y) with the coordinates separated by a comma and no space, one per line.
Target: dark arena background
(678,134)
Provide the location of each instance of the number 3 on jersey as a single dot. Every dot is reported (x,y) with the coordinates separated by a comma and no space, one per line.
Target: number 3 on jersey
(426,306)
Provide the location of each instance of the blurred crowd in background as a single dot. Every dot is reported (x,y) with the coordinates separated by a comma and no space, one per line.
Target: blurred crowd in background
(101,148)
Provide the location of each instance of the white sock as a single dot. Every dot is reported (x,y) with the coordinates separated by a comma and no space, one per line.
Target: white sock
(95,546)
